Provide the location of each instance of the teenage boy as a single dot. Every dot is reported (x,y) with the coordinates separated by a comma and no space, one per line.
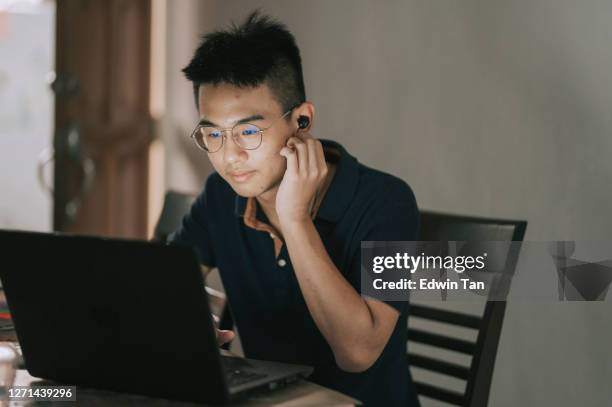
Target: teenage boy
(283,216)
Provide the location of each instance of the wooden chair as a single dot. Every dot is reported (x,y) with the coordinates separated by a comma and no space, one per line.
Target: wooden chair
(176,205)
(478,375)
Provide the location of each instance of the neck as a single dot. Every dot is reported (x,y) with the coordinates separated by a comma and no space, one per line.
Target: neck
(267,201)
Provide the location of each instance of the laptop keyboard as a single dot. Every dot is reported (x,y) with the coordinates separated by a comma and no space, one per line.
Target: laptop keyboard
(238,377)
(238,371)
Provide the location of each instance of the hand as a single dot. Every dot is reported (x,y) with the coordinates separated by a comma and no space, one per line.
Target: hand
(306,171)
(223,335)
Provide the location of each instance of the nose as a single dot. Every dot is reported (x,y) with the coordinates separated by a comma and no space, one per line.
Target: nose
(232,152)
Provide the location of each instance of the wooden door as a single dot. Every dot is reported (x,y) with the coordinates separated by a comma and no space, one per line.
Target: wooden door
(102,117)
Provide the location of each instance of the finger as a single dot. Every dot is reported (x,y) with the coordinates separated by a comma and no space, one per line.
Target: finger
(313,164)
(302,154)
(304,134)
(292,160)
(224,336)
(321,158)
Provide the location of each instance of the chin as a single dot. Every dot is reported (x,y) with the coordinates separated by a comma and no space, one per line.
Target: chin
(254,187)
(246,190)
(251,190)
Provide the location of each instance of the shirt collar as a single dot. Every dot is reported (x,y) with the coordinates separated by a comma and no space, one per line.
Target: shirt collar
(340,192)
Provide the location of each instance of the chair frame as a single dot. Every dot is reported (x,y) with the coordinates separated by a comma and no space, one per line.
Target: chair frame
(480,372)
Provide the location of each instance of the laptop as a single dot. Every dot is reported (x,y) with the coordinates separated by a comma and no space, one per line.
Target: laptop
(123,315)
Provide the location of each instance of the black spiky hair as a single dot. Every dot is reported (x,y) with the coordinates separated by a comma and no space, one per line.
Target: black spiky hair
(260,50)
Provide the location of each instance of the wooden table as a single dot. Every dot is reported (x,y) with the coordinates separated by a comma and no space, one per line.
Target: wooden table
(302,393)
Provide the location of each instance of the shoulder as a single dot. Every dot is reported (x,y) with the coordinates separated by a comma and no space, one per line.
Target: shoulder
(385,189)
(366,188)
(390,210)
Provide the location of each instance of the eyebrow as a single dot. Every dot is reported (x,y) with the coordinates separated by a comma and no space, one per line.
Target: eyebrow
(248,119)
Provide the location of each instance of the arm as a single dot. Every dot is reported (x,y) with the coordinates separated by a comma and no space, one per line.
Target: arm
(357,329)
(193,232)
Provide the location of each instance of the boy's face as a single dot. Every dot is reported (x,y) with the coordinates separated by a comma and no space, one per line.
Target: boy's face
(249,172)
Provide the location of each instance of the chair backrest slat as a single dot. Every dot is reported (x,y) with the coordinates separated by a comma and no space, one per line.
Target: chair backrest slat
(438,393)
(441,341)
(439,366)
(449,317)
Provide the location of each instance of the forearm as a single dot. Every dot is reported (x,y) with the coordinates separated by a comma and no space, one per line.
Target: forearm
(341,314)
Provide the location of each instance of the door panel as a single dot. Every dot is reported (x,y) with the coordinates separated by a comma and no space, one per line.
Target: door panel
(103,124)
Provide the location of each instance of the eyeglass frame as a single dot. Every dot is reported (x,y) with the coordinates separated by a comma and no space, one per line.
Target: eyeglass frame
(224,131)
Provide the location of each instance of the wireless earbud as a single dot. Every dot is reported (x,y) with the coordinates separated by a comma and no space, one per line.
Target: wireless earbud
(303,122)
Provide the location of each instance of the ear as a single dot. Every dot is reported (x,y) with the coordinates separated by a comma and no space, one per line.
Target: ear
(306,109)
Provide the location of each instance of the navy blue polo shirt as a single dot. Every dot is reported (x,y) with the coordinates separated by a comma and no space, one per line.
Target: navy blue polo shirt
(229,232)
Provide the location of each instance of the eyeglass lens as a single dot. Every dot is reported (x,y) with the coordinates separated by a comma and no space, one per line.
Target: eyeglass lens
(246,135)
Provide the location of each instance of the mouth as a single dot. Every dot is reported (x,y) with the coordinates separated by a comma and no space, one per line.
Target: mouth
(241,176)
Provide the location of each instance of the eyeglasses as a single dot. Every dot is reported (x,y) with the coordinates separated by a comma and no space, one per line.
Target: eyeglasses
(246,135)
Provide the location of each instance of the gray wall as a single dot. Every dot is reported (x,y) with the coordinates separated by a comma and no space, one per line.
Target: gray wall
(494,108)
